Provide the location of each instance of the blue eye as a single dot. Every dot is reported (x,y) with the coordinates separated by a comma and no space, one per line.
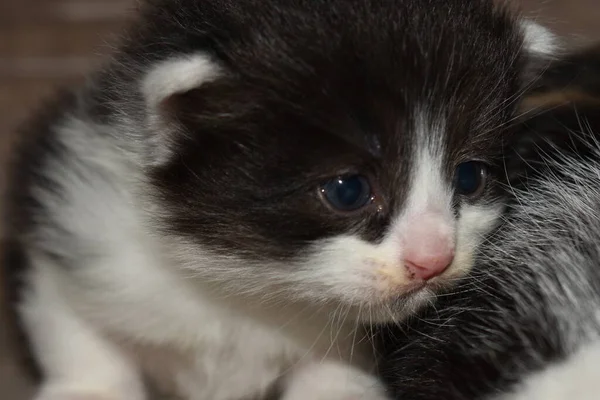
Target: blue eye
(470,178)
(347,193)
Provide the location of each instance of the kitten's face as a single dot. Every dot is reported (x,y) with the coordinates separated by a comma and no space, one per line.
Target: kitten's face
(352,159)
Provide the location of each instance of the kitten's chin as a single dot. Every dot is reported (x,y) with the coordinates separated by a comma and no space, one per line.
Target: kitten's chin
(399,301)
(401,307)
(397,304)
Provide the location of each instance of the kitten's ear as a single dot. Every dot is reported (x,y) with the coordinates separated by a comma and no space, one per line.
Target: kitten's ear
(161,87)
(542,48)
(539,41)
(177,76)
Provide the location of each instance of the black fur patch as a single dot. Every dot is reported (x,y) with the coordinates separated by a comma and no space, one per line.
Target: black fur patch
(578,72)
(564,130)
(15,264)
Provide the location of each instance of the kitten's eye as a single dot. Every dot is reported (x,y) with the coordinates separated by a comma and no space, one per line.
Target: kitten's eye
(347,193)
(470,178)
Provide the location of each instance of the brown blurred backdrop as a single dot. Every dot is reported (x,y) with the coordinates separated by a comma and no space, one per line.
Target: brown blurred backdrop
(47,43)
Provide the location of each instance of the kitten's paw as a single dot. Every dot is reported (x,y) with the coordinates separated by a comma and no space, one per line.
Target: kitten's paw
(83,394)
(77,396)
(332,381)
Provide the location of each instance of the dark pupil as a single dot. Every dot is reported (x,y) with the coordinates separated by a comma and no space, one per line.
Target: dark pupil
(468,177)
(348,193)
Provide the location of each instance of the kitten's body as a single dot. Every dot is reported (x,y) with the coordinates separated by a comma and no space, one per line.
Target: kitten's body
(525,325)
(170,218)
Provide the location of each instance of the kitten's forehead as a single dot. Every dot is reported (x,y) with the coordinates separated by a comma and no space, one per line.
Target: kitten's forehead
(366,74)
(358,69)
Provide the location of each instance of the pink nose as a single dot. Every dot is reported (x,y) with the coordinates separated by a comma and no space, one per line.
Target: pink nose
(429,267)
(428,247)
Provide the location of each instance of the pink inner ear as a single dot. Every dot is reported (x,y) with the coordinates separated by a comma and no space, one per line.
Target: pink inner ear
(427,245)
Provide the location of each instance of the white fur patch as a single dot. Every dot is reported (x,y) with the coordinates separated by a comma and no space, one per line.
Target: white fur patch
(333,381)
(538,39)
(474,223)
(577,378)
(78,362)
(429,190)
(177,75)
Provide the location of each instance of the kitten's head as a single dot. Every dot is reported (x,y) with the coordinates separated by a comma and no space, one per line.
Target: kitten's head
(344,151)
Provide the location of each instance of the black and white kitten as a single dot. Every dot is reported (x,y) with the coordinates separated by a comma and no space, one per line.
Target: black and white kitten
(226,204)
(525,324)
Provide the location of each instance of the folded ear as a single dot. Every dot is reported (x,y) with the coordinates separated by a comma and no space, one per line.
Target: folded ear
(160,87)
(177,76)
(542,47)
(539,41)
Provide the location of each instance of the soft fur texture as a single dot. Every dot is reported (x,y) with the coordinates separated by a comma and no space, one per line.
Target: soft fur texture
(525,323)
(166,220)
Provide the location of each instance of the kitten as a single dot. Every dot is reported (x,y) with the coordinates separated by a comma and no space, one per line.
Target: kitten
(226,204)
(525,324)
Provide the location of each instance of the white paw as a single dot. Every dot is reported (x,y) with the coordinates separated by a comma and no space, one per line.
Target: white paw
(50,393)
(348,392)
(76,396)
(333,382)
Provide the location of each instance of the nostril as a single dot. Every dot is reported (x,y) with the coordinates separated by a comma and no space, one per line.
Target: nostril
(427,269)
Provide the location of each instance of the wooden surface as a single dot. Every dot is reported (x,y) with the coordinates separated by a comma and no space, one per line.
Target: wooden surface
(48,43)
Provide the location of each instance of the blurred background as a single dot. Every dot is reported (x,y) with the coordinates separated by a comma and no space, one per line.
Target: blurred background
(50,43)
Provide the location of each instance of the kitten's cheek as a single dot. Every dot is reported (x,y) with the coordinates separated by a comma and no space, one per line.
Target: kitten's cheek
(473,226)
(462,264)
